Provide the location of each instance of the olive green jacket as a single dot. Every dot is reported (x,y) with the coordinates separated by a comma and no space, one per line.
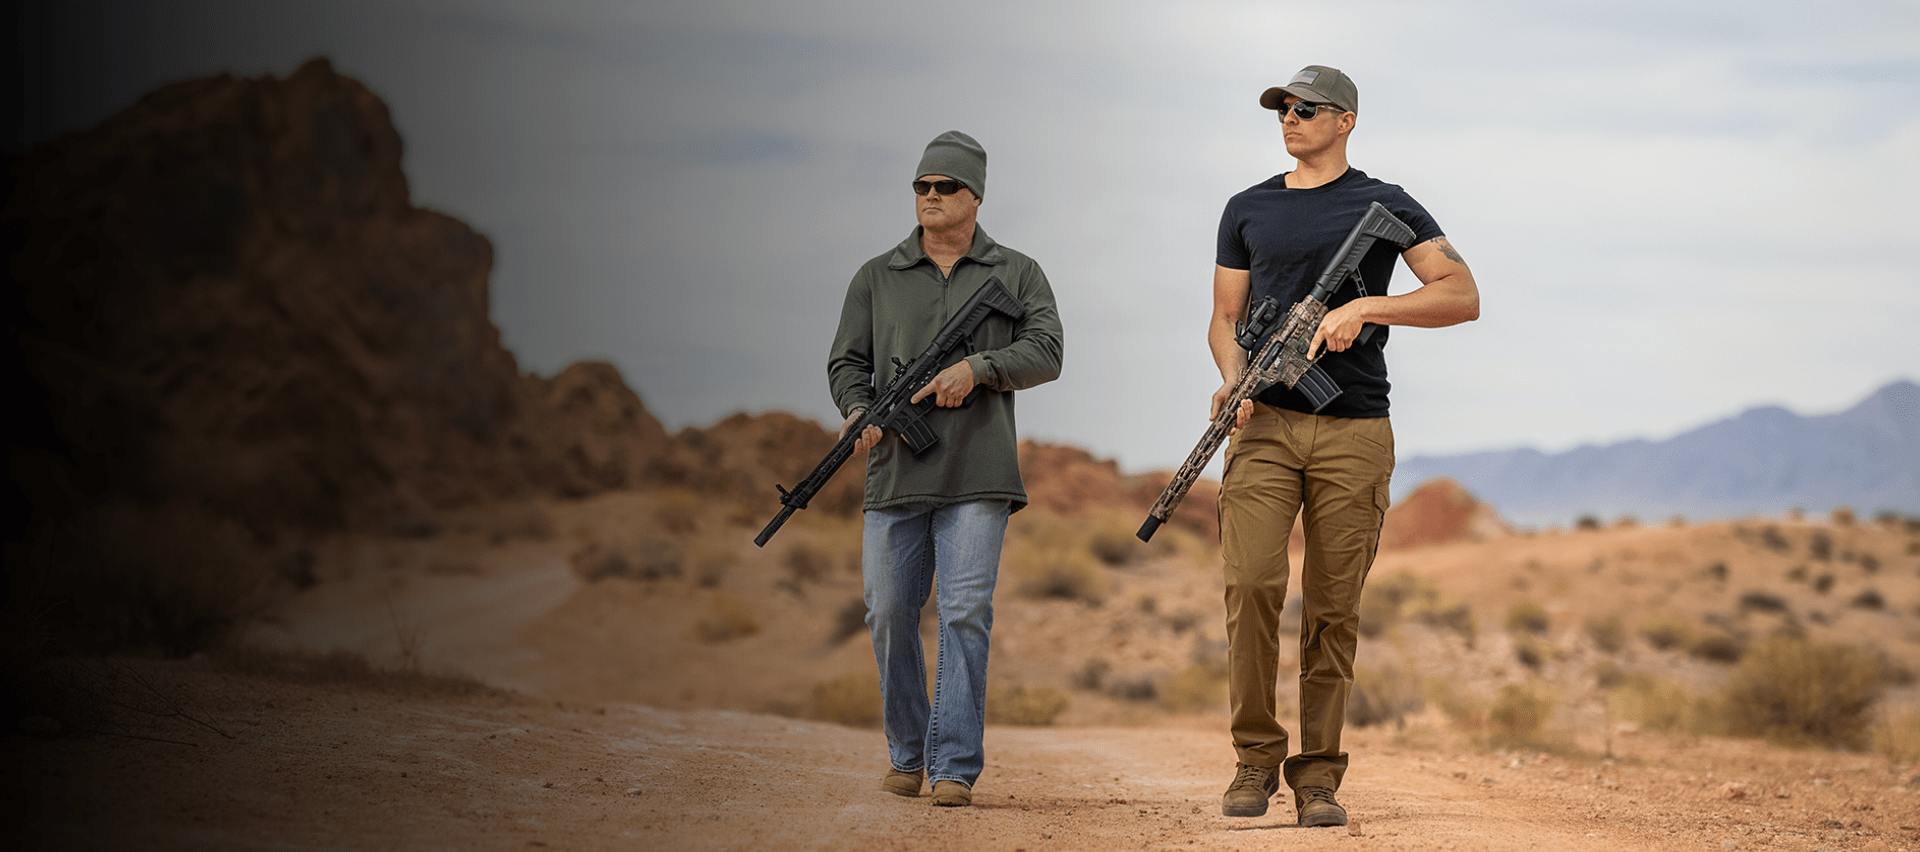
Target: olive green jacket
(895,305)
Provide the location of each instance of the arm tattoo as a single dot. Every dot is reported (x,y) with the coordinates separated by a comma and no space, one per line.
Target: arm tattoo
(1446,248)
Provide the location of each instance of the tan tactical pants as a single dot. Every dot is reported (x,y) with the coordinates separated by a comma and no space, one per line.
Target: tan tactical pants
(1337,469)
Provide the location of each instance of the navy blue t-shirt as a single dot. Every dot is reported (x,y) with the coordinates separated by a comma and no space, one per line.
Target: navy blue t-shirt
(1286,237)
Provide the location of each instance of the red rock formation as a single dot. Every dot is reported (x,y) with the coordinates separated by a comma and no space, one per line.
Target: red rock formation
(1440,511)
(225,296)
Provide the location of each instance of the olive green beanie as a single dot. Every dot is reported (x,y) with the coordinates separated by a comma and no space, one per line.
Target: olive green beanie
(957,156)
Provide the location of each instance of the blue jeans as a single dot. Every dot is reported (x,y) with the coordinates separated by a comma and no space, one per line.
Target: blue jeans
(901,550)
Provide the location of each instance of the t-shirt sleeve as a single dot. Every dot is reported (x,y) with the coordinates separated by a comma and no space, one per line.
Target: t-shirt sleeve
(1230,246)
(1417,218)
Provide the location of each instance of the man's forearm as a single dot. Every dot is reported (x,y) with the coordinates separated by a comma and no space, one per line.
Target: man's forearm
(1446,301)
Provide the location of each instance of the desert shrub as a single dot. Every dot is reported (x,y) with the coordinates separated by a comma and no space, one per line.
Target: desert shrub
(852,700)
(1608,674)
(1527,617)
(1092,676)
(1587,522)
(1066,574)
(1385,600)
(1842,516)
(1532,651)
(1652,703)
(1823,583)
(1717,646)
(1665,631)
(1869,599)
(726,618)
(648,559)
(1820,546)
(1111,540)
(1518,714)
(169,576)
(1792,690)
(850,621)
(1383,694)
(1020,705)
(1716,571)
(1898,738)
(1757,601)
(808,563)
(1141,688)
(1771,539)
(1457,618)
(677,511)
(1607,633)
(1199,687)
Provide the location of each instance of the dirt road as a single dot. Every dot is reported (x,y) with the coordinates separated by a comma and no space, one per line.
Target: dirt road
(398,764)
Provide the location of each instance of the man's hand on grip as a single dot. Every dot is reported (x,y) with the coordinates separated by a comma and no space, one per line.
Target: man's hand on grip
(950,387)
(869,436)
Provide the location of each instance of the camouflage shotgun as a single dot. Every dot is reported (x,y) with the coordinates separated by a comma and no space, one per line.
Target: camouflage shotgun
(1281,356)
(891,409)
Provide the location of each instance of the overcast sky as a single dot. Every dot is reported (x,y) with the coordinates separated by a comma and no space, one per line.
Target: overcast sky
(1675,210)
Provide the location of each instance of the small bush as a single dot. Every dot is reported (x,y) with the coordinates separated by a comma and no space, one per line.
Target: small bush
(1385,600)
(851,621)
(1792,690)
(170,576)
(1869,599)
(649,559)
(1518,714)
(1383,694)
(1666,632)
(1607,633)
(1820,546)
(1757,601)
(852,700)
(1842,517)
(678,511)
(1527,617)
(1717,647)
(1532,651)
(1199,687)
(726,618)
(1019,705)
(1898,739)
(1652,703)
(1066,574)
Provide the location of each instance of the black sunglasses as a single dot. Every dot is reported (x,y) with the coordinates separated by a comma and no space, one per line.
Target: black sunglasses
(941,187)
(1305,110)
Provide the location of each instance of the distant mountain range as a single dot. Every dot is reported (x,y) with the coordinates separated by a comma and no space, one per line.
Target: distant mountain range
(1766,460)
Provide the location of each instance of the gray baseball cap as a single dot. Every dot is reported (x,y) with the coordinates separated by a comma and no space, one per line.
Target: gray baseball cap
(1319,84)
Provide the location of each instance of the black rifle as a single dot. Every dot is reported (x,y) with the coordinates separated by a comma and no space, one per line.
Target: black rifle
(891,410)
(1281,357)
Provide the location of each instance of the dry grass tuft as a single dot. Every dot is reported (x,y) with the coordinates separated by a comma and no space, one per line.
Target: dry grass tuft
(1197,688)
(725,619)
(1020,705)
(1519,715)
(852,700)
(1794,691)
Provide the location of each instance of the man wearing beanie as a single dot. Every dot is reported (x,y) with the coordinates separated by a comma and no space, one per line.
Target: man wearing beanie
(944,512)
(1332,467)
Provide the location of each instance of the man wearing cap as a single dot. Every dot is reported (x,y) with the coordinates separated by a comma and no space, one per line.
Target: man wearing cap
(945,511)
(1332,467)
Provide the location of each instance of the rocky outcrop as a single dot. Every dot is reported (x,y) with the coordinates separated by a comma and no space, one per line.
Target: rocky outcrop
(224,295)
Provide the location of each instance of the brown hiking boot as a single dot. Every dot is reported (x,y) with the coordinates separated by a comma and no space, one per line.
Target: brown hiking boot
(903,783)
(952,794)
(1316,807)
(1251,788)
